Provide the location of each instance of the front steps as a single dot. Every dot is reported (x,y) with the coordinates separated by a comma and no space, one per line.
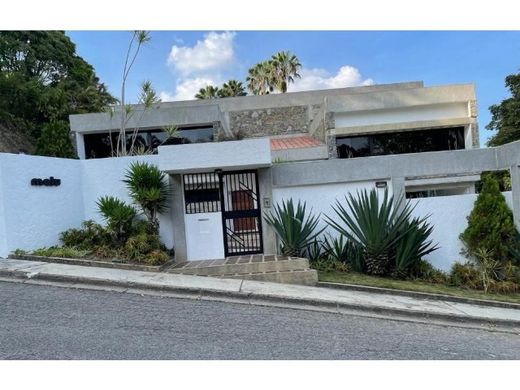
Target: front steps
(271,268)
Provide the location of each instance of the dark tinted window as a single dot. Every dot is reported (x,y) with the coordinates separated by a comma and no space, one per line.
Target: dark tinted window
(398,143)
(98,145)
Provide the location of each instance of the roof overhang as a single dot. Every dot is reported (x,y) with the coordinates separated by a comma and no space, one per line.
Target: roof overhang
(205,157)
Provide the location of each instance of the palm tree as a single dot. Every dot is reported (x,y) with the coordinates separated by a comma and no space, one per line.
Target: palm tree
(209,92)
(232,88)
(285,69)
(260,78)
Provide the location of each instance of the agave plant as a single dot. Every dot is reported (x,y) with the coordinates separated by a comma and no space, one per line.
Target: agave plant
(374,225)
(294,229)
(342,250)
(149,190)
(118,215)
(413,245)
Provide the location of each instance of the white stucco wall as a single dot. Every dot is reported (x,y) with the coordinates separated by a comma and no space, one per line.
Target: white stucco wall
(33,216)
(103,177)
(321,198)
(204,236)
(448,215)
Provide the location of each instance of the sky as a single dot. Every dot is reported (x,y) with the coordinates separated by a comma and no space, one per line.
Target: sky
(179,63)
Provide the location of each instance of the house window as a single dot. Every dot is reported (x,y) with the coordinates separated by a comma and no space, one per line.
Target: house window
(98,145)
(416,141)
(201,193)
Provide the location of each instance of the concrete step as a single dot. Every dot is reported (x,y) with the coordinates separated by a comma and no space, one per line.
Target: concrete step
(240,266)
(308,277)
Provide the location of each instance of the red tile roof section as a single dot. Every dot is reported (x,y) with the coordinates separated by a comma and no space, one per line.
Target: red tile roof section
(303,141)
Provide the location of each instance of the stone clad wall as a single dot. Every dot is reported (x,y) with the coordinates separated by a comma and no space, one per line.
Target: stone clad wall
(269,121)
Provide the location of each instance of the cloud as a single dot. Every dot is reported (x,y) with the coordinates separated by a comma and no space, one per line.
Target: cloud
(212,53)
(347,76)
(187,88)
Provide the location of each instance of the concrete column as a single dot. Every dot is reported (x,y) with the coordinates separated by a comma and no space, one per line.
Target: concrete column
(265,183)
(515,186)
(177,212)
(398,189)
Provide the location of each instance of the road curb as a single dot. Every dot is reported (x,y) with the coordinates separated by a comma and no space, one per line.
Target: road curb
(420,295)
(270,300)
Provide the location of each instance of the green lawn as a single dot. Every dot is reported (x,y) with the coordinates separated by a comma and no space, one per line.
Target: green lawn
(411,285)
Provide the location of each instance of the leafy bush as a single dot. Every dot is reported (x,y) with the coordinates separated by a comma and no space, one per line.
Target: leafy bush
(383,229)
(294,229)
(118,215)
(141,245)
(490,224)
(61,251)
(157,257)
(149,190)
(55,140)
(90,234)
(465,275)
(425,271)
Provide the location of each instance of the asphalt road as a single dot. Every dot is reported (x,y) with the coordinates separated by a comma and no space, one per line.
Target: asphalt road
(46,322)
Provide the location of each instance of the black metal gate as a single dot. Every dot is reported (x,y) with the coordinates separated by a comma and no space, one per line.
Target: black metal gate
(241,215)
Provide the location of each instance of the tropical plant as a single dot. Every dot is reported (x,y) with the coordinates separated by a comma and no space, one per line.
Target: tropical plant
(285,68)
(260,78)
(490,224)
(208,92)
(314,251)
(90,234)
(118,215)
(489,268)
(414,245)
(148,188)
(231,88)
(294,227)
(375,225)
(139,38)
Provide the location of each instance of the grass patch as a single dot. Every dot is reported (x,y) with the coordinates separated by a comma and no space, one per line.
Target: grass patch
(411,285)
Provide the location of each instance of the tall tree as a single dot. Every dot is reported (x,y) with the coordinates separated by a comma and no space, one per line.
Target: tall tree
(260,78)
(42,79)
(505,117)
(208,92)
(231,89)
(285,68)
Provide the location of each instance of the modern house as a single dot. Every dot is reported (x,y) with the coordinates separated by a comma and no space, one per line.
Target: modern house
(338,123)
(234,158)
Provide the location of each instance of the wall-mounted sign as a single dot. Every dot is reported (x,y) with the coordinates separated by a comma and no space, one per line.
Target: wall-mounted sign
(50,182)
(380,184)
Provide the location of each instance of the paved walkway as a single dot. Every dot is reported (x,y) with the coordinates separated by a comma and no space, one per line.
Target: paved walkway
(264,293)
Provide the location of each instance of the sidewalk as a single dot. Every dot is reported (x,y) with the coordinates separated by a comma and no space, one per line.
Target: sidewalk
(272,294)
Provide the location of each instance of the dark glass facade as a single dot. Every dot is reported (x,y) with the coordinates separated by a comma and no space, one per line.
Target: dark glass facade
(398,143)
(98,145)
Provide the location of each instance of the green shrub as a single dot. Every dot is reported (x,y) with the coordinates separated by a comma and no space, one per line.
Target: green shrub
(425,271)
(90,235)
(118,215)
(294,228)
(55,140)
(490,224)
(148,188)
(107,252)
(19,252)
(383,229)
(465,275)
(140,245)
(157,257)
(61,251)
